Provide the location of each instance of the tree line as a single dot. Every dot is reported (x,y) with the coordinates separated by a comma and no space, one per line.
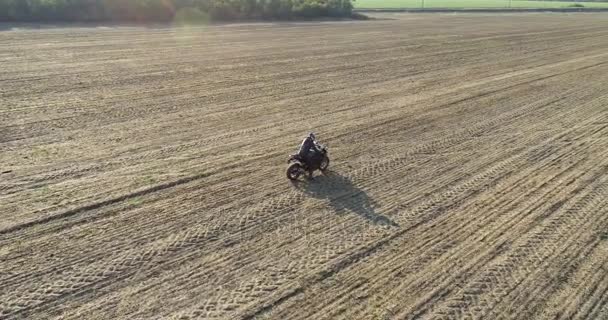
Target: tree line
(169,10)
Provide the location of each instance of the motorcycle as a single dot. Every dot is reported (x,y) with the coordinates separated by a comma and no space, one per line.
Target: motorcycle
(297,166)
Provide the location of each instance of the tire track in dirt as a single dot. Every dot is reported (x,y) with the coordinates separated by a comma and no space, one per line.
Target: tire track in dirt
(470,224)
(502,276)
(427,207)
(371,174)
(187,179)
(222,240)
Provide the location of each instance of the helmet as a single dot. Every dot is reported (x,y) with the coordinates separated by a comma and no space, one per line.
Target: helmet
(311,135)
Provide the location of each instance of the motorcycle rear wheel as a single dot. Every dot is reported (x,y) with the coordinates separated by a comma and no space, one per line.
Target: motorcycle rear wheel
(324,164)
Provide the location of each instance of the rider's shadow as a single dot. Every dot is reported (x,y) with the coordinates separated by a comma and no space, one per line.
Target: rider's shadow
(343,196)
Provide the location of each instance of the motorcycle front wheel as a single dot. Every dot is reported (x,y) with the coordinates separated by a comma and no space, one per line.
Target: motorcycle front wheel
(293,171)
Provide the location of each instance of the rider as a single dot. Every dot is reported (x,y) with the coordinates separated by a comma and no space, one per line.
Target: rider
(307,144)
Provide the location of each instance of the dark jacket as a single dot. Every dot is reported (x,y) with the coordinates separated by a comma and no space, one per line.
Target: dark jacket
(307,144)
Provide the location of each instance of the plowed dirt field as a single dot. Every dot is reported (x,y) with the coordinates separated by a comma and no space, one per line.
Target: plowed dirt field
(143,170)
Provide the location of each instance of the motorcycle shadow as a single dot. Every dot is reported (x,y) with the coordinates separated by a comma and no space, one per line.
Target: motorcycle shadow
(343,196)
